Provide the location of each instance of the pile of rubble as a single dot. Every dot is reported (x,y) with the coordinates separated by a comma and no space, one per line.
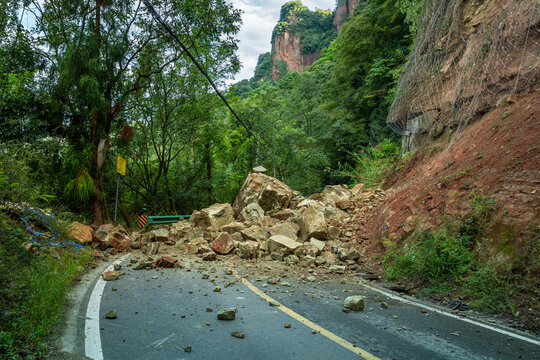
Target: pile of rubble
(267,220)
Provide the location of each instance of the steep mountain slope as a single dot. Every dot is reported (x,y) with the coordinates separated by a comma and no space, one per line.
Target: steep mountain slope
(468,103)
(298,37)
(470,55)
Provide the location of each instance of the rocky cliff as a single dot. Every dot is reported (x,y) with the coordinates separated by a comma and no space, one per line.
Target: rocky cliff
(288,56)
(344,8)
(470,56)
(298,38)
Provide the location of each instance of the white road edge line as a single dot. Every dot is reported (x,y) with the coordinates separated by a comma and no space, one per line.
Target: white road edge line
(92,341)
(442,312)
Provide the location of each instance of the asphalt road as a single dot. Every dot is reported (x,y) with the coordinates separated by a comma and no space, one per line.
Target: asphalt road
(161,312)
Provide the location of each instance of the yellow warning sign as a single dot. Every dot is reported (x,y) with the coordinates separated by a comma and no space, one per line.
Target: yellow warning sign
(121,166)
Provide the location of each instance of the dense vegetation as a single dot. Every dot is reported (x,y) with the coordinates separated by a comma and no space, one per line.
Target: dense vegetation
(81,94)
(315,27)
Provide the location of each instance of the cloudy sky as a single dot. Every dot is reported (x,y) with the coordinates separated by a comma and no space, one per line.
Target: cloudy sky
(259,18)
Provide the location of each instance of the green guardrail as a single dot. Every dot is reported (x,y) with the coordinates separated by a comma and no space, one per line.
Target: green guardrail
(144,221)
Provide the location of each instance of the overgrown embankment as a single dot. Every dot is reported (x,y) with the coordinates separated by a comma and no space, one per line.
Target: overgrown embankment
(37,267)
(460,220)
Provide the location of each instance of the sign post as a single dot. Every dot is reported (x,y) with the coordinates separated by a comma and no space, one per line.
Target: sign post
(120,170)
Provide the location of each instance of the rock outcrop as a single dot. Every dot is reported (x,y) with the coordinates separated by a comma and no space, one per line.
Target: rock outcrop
(469,57)
(343,10)
(287,49)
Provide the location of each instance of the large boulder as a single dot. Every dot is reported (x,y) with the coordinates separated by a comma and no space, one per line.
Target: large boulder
(215,216)
(197,245)
(233,227)
(81,233)
(251,212)
(336,193)
(312,224)
(255,233)
(269,193)
(223,244)
(113,236)
(161,235)
(288,229)
(280,242)
(179,230)
(354,303)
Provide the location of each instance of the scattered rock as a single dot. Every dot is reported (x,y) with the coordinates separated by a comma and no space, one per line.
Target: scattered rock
(273,303)
(355,303)
(81,233)
(187,349)
(153,248)
(166,262)
(287,325)
(111,275)
(259,170)
(223,244)
(227,314)
(113,236)
(338,269)
(238,334)
(217,289)
(27,245)
(209,256)
(161,235)
(111,314)
(248,249)
(384,305)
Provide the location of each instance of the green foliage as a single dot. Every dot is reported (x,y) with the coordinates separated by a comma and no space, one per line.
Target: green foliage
(488,290)
(413,10)
(32,296)
(263,70)
(447,261)
(371,165)
(434,256)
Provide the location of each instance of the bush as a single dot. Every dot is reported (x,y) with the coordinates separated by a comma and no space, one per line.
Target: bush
(434,256)
(33,287)
(372,164)
(488,291)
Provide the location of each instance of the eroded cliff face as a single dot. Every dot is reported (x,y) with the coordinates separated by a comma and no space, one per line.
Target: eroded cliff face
(344,8)
(470,56)
(287,48)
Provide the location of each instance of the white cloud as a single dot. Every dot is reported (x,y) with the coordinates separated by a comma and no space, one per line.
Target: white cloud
(259,18)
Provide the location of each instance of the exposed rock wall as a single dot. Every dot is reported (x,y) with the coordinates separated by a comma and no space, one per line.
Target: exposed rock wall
(469,57)
(286,47)
(344,8)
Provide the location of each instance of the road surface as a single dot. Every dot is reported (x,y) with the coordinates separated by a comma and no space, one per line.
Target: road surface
(164,312)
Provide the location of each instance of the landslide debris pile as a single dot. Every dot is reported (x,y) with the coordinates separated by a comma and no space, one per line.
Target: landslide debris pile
(268,220)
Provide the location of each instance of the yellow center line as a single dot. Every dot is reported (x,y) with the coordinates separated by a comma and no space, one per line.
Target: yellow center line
(303,320)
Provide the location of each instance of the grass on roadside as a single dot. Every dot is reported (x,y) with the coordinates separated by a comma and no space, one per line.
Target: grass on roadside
(33,288)
(445,260)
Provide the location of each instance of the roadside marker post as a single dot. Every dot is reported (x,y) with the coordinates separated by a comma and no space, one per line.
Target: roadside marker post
(120,170)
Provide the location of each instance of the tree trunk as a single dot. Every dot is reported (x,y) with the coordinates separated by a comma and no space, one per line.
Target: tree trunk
(209,172)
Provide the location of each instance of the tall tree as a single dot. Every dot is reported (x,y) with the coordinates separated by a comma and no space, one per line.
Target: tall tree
(100,53)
